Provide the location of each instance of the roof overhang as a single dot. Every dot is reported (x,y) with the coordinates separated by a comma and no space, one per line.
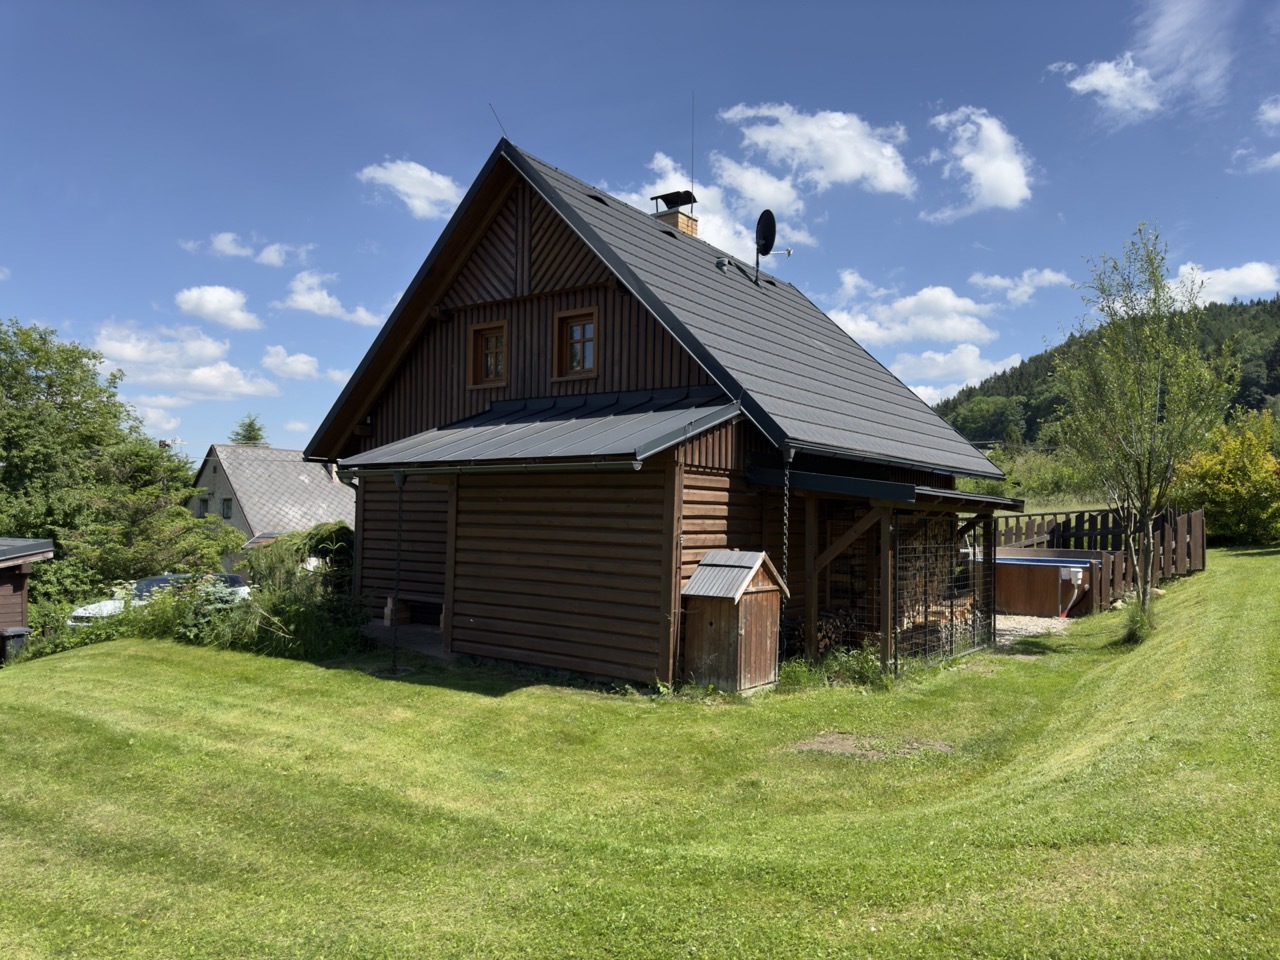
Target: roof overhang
(15,552)
(587,432)
(894,494)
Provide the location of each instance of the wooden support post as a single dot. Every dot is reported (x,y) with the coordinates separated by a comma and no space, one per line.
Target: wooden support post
(886,590)
(1182,554)
(672,570)
(810,577)
(450,561)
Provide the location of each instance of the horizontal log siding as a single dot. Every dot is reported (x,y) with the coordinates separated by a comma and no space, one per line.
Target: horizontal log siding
(422,546)
(13,598)
(720,512)
(561,571)
(634,352)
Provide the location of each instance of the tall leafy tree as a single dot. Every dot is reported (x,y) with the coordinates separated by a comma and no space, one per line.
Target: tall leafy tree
(75,467)
(1139,396)
(248,432)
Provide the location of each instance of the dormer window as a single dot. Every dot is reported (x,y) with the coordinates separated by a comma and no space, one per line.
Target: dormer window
(576,341)
(488,360)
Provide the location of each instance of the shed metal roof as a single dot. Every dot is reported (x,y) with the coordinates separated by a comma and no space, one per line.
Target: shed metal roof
(726,574)
(634,425)
(14,551)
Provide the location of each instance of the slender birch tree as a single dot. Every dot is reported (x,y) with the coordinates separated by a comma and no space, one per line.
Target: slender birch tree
(1140,397)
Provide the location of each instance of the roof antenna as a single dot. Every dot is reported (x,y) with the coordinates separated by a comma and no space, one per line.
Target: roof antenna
(766,233)
(499,119)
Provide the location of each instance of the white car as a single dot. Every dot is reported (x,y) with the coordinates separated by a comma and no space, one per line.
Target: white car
(141,592)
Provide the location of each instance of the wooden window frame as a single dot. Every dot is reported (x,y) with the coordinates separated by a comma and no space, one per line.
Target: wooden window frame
(475,355)
(227,508)
(564,320)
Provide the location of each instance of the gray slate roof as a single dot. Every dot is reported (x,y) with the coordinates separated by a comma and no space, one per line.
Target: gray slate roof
(726,574)
(803,380)
(633,425)
(278,491)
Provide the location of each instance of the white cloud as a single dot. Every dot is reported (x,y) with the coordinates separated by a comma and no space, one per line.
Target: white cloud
(295,366)
(1254,279)
(427,194)
(757,188)
(280,254)
(168,401)
(182,361)
(218,305)
(4,274)
(156,420)
(935,313)
(228,245)
(1125,91)
(1269,114)
(853,285)
(1182,54)
(297,426)
(126,346)
(338,376)
(826,147)
(1019,290)
(307,293)
(988,157)
(964,364)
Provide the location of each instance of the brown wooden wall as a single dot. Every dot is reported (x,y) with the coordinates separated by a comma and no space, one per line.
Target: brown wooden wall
(719,512)
(526,268)
(562,571)
(13,597)
(422,544)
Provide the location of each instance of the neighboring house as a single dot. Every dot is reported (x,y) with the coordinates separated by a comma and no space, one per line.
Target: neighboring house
(265,492)
(574,401)
(16,558)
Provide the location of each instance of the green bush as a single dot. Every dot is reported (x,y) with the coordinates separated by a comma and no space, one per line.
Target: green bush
(1237,480)
(296,608)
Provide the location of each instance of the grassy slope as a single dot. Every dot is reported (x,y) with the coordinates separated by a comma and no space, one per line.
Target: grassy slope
(160,801)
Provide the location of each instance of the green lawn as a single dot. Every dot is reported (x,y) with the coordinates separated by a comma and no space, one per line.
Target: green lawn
(1076,799)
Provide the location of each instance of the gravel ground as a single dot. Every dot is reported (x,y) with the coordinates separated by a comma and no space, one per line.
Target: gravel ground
(1009,628)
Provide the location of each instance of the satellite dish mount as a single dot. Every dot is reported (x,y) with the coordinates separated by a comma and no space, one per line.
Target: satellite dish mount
(766,233)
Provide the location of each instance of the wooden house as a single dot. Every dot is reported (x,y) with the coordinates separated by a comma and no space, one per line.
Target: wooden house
(574,401)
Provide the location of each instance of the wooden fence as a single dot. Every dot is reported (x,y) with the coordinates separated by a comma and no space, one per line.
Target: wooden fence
(1097,536)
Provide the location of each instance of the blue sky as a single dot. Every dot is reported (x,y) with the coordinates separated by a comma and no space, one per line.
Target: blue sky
(227,199)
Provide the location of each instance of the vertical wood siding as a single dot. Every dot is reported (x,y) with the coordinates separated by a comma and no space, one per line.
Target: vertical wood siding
(561,571)
(422,539)
(528,267)
(634,352)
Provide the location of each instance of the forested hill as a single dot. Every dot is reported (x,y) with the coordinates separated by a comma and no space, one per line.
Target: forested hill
(1013,405)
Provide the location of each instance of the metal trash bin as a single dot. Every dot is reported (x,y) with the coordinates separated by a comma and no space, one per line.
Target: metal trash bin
(12,641)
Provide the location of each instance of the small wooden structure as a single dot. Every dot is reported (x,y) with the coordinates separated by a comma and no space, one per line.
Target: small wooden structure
(1029,585)
(733,608)
(16,558)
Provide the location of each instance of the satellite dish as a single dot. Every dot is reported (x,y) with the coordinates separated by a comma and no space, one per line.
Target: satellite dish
(766,232)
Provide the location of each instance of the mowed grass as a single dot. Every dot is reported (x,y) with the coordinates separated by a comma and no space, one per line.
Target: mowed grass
(1074,799)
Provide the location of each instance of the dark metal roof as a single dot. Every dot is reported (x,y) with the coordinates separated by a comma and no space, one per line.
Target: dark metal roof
(14,551)
(803,380)
(726,574)
(797,375)
(634,425)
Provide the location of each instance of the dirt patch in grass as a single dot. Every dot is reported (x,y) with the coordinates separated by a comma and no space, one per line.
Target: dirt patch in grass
(867,748)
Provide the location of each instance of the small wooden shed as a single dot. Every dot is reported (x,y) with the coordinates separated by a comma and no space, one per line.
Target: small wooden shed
(733,608)
(16,558)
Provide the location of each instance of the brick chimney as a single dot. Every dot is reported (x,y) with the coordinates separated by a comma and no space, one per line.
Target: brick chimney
(673,215)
